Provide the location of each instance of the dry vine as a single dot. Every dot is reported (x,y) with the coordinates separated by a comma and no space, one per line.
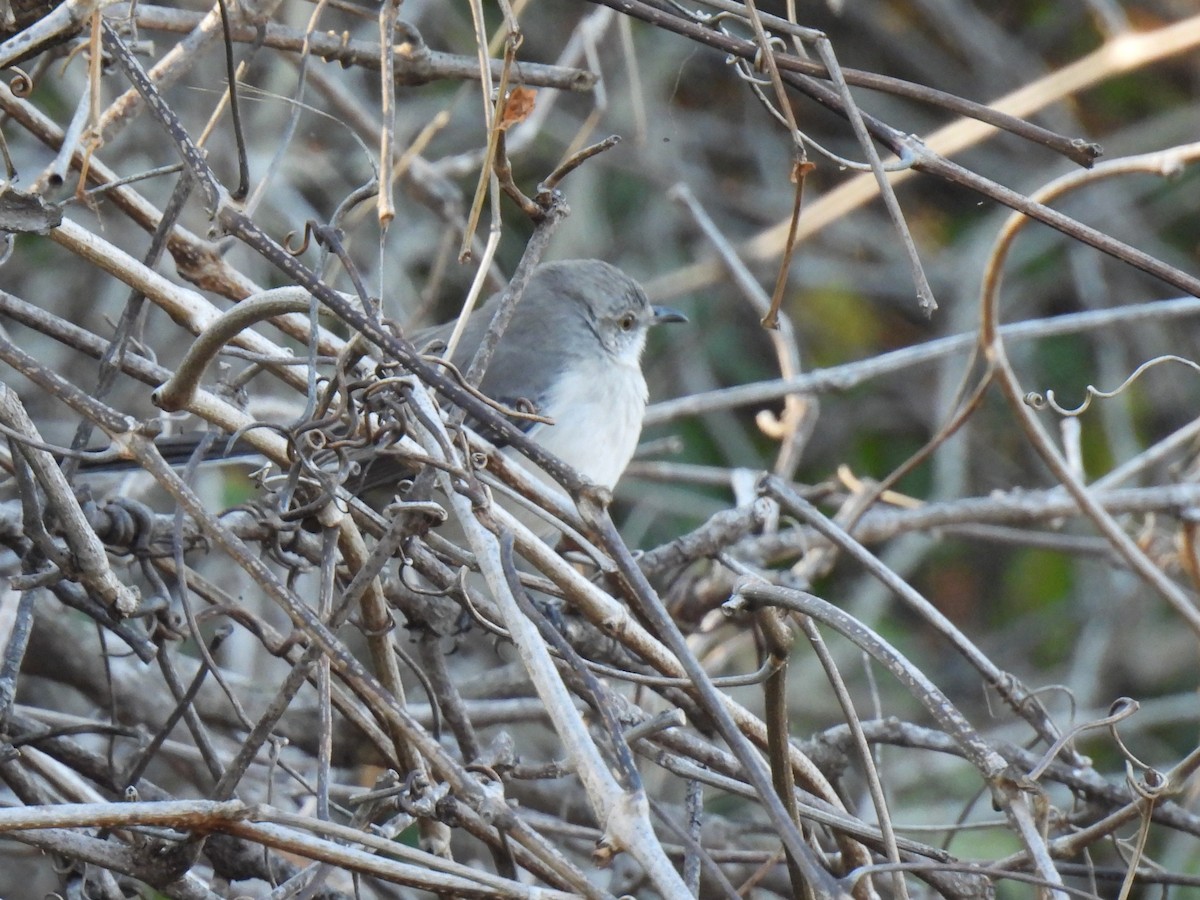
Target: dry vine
(221,686)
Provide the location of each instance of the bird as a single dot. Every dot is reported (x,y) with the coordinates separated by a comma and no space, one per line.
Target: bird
(573,351)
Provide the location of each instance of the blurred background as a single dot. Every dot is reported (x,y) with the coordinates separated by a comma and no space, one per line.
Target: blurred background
(1009,563)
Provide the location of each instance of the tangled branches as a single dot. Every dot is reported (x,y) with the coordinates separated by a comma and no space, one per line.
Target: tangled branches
(411,653)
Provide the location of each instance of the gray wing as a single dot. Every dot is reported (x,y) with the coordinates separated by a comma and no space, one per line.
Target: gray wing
(525,365)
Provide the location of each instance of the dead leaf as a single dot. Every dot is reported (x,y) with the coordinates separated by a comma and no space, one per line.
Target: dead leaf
(517,108)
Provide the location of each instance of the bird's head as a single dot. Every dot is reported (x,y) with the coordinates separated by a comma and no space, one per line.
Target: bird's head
(610,304)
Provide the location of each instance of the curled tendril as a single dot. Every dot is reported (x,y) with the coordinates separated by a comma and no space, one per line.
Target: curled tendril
(1040,401)
(773,41)
(21,84)
(1151,786)
(300,250)
(1120,710)
(747,70)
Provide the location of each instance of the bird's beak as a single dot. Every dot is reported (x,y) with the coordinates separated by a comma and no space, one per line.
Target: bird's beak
(667,314)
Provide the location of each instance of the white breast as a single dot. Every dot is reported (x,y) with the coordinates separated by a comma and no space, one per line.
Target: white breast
(597,409)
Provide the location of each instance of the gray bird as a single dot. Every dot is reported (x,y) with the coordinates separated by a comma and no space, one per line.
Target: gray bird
(573,349)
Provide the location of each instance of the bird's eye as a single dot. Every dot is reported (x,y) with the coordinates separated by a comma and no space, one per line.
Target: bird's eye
(627,321)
